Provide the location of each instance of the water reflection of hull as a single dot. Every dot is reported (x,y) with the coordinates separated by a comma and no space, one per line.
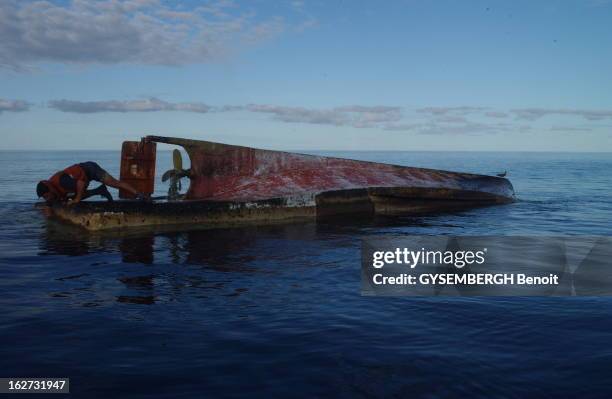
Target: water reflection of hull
(214,248)
(152,266)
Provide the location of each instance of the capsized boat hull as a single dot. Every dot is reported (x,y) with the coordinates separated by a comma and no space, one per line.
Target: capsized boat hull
(231,185)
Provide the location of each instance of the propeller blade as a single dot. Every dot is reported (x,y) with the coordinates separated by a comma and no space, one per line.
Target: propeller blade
(168,174)
(177,159)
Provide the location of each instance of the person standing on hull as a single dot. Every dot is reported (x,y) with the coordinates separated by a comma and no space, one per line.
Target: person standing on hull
(72,182)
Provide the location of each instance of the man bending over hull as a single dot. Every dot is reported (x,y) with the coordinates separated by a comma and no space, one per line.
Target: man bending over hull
(72,182)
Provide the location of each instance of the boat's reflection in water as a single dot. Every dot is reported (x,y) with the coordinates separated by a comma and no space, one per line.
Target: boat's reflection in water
(154,266)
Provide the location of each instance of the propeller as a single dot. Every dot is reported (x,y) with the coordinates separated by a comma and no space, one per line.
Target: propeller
(175,175)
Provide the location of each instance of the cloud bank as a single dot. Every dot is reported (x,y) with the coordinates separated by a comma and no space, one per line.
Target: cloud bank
(13,106)
(130,31)
(437,121)
(461,110)
(147,105)
(355,116)
(532,114)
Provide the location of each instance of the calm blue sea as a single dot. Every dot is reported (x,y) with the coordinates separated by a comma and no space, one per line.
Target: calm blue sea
(276,311)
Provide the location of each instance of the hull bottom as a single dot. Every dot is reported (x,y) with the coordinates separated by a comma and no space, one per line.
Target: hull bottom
(97,216)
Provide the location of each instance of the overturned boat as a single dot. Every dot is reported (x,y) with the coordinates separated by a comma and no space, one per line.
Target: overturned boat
(231,185)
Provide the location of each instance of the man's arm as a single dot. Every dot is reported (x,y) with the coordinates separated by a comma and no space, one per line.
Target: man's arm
(80,190)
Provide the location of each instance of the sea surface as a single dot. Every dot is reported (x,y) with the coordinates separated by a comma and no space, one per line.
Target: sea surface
(276,311)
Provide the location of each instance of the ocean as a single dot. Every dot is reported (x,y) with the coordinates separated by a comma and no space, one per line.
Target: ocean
(277,310)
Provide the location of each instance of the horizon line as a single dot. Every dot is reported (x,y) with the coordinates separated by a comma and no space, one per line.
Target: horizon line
(327,150)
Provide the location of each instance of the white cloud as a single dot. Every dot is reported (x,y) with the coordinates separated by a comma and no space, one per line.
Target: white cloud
(461,110)
(148,105)
(131,31)
(264,31)
(356,116)
(13,105)
(532,114)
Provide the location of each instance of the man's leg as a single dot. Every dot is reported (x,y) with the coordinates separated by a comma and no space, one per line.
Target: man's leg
(100,190)
(99,174)
(111,181)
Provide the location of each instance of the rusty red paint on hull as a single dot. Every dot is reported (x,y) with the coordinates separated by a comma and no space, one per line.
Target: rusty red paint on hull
(233,173)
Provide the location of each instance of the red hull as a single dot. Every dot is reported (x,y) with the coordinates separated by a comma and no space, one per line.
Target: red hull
(233,173)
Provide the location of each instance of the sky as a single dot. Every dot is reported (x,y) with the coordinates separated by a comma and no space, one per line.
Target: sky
(308,75)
